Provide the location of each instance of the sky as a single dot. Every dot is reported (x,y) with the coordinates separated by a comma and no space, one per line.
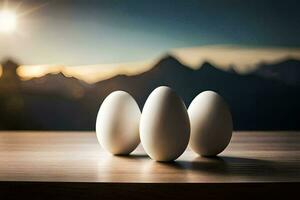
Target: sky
(81,32)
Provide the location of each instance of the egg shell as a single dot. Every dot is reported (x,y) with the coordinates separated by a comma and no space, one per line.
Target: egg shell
(117,125)
(164,125)
(211,124)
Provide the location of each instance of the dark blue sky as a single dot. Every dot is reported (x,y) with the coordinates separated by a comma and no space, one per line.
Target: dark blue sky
(106,31)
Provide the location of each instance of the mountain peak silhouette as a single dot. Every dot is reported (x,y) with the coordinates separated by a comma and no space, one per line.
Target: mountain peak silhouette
(9,73)
(287,71)
(10,63)
(168,60)
(207,66)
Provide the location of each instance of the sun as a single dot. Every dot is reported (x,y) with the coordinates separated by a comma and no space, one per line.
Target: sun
(8,21)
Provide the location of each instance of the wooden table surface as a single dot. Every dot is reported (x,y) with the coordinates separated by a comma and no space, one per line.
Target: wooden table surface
(76,157)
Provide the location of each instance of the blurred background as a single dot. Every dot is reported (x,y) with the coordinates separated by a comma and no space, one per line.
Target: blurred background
(61,58)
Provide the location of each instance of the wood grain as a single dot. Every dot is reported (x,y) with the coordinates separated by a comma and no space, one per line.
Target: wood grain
(64,165)
(77,157)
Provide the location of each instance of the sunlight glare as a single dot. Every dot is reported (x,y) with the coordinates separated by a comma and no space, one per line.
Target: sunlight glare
(1,71)
(8,21)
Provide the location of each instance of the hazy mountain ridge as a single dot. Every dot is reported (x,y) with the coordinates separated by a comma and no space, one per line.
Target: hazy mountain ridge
(56,84)
(253,99)
(287,71)
(257,101)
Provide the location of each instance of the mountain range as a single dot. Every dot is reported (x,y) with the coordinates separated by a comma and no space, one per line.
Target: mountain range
(265,99)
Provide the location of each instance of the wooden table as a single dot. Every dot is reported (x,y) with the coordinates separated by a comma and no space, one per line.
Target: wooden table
(68,165)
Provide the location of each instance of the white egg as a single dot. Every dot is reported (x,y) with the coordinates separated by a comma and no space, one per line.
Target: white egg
(164,125)
(211,124)
(117,124)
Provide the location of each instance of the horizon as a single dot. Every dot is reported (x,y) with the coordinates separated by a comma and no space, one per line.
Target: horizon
(193,58)
(96,40)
